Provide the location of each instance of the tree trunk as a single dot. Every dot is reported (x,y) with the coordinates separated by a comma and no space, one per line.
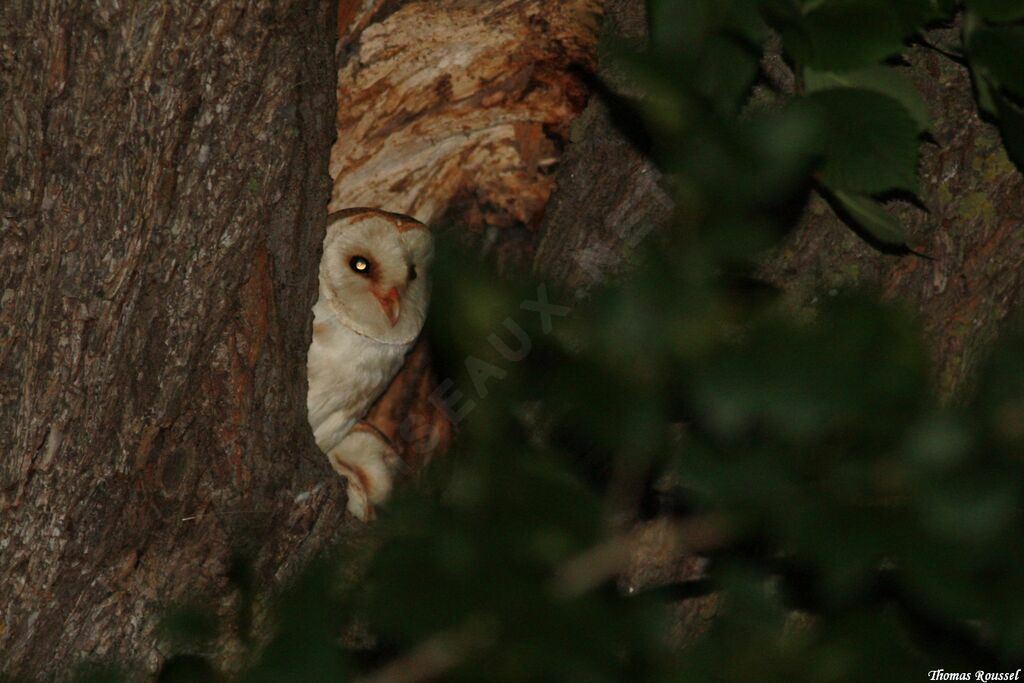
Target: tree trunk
(455,110)
(589,231)
(964,283)
(965,279)
(163,202)
(163,197)
(162,217)
(449,108)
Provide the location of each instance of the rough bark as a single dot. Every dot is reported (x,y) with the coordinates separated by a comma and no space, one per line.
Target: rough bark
(590,228)
(971,231)
(449,107)
(589,232)
(163,201)
(446,110)
(963,294)
(969,227)
(161,212)
(457,110)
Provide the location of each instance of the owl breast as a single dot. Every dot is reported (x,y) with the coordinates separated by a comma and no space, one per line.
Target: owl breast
(347,373)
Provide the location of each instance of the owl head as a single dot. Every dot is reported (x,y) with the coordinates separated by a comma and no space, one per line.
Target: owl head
(374,273)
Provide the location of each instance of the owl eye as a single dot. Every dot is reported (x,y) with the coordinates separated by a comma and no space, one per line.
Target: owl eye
(412,272)
(360,265)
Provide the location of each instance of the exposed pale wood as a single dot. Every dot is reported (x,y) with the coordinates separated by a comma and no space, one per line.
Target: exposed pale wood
(448,107)
(161,208)
(444,100)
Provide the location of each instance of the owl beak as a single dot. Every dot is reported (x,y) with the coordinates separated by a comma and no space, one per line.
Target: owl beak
(390,302)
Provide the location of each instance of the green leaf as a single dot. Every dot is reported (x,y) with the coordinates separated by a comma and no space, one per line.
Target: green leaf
(998,10)
(786,18)
(998,53)
(716,43)
(985,94)
(664,104)
(869,140)
(725,73)
(847,34)
(886,80)
(872,218)
(188,626)
(1011,126)
(914,14)
(187,669)
(682,27)
(97,673)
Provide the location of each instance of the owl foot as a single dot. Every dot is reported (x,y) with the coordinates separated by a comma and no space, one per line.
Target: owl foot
(367,460)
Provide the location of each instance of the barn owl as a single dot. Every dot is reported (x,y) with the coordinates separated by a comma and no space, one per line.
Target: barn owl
(373,299)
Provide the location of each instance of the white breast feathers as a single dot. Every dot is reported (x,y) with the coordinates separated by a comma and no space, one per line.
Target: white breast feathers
(347,373)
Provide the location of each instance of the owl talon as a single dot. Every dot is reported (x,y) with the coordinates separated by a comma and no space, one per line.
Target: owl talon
(369,463)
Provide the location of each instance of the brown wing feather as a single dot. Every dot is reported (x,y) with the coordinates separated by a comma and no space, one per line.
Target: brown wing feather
(402,222)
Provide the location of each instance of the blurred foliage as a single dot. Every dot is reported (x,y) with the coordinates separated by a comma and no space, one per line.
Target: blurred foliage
(874,534)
